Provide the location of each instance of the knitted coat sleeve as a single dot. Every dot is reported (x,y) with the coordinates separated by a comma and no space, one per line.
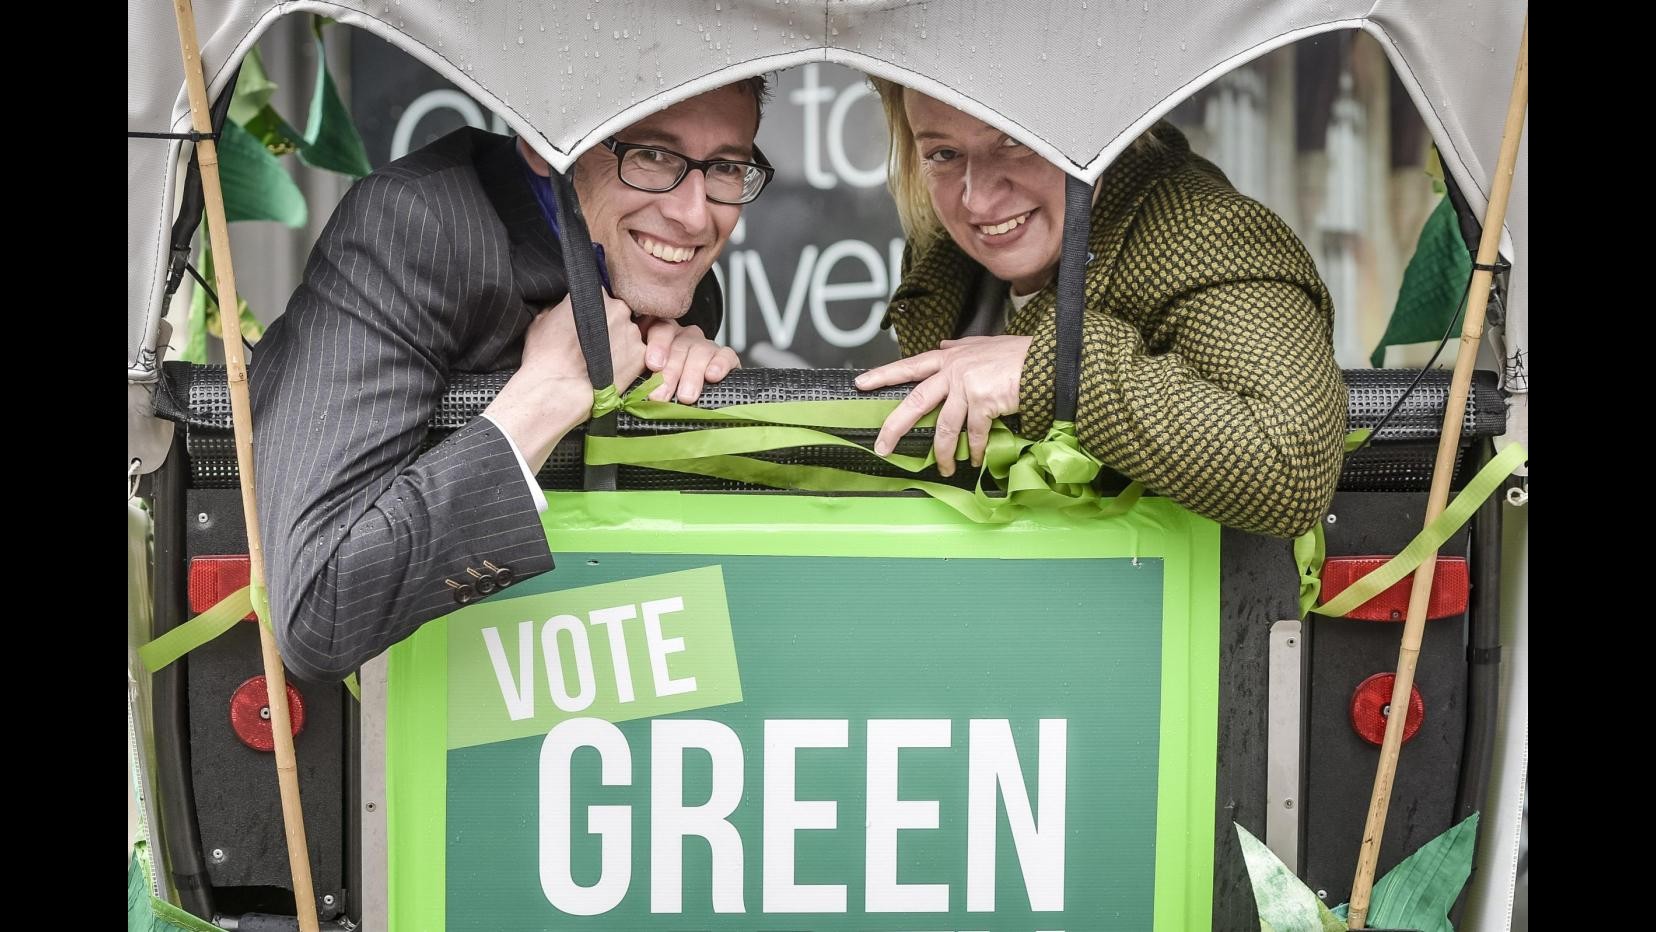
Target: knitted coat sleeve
(1207,367)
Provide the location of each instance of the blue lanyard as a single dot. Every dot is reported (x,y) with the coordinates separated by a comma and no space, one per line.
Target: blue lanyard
(547,200)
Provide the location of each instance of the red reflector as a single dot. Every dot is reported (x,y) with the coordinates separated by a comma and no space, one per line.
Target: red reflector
(1368,709)
(214,577)
(250,714)
(1449,588)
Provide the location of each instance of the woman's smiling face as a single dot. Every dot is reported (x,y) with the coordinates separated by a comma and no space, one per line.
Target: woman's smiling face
(1001,203)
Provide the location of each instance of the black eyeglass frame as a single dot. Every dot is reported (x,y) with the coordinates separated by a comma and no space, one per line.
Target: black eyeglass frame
(620,149)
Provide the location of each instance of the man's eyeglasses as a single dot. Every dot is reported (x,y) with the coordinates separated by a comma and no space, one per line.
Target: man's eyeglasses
(658,170)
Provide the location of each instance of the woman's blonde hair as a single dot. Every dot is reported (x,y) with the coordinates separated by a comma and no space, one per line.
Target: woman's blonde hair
(905,173)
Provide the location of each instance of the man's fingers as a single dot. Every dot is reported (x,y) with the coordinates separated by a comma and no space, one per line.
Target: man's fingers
(671,371)
(658,339)
(724,361)
(696,360)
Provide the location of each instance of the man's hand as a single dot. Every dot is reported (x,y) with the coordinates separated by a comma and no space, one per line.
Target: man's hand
(975,380)
(685,357)
(551,392)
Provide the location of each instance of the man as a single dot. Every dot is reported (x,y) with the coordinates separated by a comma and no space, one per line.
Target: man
(446,261)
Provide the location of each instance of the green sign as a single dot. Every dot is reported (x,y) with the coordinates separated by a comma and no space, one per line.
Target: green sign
(782,712)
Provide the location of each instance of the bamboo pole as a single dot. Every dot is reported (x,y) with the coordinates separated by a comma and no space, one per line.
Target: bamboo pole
(287,774)
(1448,443)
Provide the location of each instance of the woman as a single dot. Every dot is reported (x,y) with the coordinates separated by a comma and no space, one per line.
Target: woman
(1207,367)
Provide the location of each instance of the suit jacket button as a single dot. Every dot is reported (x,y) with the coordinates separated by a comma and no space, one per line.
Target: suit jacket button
(484,583)
(503,575)
(463,593)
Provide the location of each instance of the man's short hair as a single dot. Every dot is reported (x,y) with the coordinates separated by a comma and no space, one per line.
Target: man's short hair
(759,87)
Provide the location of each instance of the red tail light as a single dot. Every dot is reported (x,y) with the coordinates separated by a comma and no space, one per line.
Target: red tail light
(250,714)
(1369,709)
(1450,588)
(214,577)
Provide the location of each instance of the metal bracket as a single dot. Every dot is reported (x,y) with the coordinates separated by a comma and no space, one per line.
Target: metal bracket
(1282,742)
(375,895)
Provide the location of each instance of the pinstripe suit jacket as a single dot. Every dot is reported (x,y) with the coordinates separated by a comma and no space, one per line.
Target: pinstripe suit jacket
(432,265)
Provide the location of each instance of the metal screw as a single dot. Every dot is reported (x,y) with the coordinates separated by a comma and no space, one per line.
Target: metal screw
(372,807)
(1288,803)
(201,518)
(1385,710)
(1331,519)
(264,712)
(218,855)
(1322,894)
(327,899)
(1293,641)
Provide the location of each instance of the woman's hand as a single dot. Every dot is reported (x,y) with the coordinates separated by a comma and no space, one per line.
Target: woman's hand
(973,380)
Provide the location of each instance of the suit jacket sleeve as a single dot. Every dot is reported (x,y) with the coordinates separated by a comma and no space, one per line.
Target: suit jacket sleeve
(361,529)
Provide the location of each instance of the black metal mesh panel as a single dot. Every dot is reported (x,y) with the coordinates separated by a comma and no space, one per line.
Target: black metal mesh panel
(1372,392)
(1399,459)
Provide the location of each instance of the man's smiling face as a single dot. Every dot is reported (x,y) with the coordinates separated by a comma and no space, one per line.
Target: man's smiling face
(658,246)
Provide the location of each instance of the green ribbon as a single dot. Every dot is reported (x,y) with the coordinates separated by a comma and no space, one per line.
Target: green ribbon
(1055,472)
(605,400)
(157,654)
(1424,545)
(1310,549)
(261,602)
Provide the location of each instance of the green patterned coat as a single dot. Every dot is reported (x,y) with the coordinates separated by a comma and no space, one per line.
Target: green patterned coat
(1207,367)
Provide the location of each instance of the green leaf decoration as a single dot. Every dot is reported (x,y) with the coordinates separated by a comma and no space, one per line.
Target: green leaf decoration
(256,186)
(195,331)
(331,139)
(253,90)
(1285,903)
(1419,892)
(277,136)
(1429,297)
(204,315)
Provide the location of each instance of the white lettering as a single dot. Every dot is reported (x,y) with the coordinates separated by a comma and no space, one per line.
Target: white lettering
(612,823)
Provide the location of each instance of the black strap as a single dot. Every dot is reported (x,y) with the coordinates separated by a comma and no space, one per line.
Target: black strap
(191,136)
(194,202)
(586,289)
(1471,225)
(586,296)
(1072,266)
(1484,655)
